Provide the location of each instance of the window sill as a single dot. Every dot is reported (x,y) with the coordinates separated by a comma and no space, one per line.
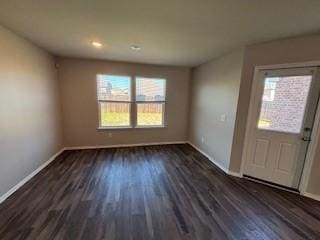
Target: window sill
(144,127)
(128,128)
(114,128)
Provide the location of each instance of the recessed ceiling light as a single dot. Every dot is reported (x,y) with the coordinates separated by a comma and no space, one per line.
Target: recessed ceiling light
(96,44)
(135,48)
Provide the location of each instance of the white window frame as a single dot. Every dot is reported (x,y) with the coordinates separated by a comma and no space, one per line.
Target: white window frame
(146,102)
(130,102)
(133,103)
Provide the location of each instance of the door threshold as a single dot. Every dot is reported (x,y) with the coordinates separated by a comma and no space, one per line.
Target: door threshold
(271,184)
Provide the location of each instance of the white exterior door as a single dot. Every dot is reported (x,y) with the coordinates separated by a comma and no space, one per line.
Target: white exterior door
(283,109)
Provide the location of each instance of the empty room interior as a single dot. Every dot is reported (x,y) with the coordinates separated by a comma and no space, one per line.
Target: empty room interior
(159,120)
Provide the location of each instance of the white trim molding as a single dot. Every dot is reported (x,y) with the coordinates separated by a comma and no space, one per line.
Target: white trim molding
(315,137)
(235,174)
(311,153)
(239,175)
(124,145)
(31,175)
(311,195)
(227,171)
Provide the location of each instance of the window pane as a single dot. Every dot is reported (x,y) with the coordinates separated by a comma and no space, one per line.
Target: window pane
(150,114)
(114,88)
(114,114)
(150,89)
(283,103)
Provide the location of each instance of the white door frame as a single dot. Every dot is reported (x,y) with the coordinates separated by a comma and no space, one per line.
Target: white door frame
(315,136)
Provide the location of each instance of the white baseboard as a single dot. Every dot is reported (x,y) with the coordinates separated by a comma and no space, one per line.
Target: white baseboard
(27,178)
(124,145)
(311,195)
(235,174)
(31,175)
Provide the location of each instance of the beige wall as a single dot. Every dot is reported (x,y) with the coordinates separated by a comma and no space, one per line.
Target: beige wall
(215,89)
(80,111)
(292,50)
(30,113)
(29,109)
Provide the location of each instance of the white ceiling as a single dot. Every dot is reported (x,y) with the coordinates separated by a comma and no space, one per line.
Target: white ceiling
(170,32)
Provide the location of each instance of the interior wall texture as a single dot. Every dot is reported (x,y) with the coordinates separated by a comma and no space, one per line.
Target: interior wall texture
(291,50)
(214,97)
(33,95)
(78,86)
(30,123)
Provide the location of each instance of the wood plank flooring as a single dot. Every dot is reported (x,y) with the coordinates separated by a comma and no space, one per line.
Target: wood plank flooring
(157,192)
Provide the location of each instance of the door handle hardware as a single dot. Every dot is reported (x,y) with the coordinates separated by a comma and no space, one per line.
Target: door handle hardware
(306,139)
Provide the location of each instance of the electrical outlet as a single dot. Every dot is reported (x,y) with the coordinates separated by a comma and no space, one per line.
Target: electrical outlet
(110,135)
(202,140)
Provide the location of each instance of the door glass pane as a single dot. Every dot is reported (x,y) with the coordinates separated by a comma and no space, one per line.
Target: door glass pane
(283,103)
(150,114)
(114,114)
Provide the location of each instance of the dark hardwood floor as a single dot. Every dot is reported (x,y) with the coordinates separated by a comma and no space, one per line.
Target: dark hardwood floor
(155,192)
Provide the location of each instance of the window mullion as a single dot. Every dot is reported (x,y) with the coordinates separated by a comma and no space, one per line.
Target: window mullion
(133,104)
(111,101)
(150,101)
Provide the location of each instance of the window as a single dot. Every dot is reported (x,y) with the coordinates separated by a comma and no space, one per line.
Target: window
(283,103)
(114,97)
(150,100)
(115,94)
